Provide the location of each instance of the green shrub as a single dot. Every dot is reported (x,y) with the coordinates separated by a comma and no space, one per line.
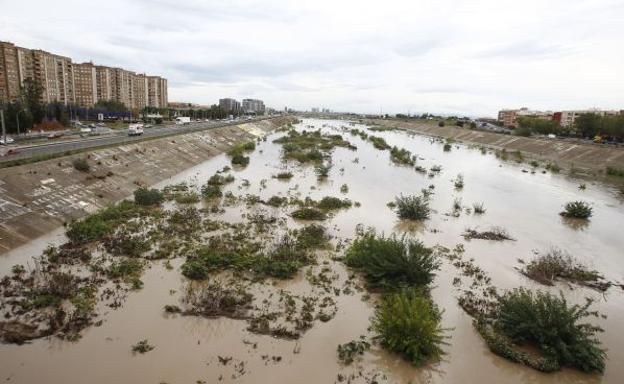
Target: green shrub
(578,210)
(612,171)
(217,179)
(447,147)
(553,167)
(240,160)
(407,322)
(187,198)
(551,324)
(308,214)
(125,269)
(311,236)
(379,143)
(90,229)
(249,146)
(276,201)
(194,270)
(211,192)
(81,165)
(392,262)
(412,207)
(402,156)
(348,351)
(441,124)
(148,197)
(329,203)
(239,149)
(284,175)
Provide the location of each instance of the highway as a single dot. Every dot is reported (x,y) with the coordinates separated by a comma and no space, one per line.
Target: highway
(58,146)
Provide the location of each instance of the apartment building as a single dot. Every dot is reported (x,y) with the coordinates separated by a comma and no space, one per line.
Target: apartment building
(157,92)
(509,117)
(253,106)
(567,118)
(80,84)
(229,105)
(85,84)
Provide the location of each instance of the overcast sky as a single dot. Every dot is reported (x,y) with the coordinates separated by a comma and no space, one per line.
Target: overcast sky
(444,56)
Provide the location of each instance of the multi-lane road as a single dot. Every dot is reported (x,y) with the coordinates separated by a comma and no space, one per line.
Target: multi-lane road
(58,146)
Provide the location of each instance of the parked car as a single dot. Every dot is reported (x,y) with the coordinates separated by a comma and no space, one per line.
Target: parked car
(9,140)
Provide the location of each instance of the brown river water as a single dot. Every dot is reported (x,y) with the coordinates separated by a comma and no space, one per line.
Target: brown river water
(187,347)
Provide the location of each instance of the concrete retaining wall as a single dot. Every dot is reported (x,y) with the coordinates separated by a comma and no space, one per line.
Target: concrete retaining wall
(567,154)
(37,198)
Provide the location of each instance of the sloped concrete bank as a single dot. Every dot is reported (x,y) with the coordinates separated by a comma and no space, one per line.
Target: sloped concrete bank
(590,158)
(38,198)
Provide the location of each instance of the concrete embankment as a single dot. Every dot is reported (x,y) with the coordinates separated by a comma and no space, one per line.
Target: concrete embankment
(38,198)
(587,157)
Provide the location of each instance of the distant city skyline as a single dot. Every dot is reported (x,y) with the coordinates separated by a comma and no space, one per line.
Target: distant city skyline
(446,57)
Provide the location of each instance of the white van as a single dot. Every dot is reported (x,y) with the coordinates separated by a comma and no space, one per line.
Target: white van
(135,129)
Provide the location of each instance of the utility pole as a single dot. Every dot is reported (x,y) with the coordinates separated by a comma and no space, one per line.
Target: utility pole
(3,127)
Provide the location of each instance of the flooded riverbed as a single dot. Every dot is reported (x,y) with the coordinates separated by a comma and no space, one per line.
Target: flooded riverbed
(188,348)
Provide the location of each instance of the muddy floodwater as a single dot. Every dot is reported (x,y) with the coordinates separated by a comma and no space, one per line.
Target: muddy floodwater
(522,199)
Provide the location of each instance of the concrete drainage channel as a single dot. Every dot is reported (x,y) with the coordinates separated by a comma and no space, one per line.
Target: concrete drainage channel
(39,197)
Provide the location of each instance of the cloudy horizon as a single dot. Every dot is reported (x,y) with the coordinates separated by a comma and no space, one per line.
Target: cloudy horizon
(445,57)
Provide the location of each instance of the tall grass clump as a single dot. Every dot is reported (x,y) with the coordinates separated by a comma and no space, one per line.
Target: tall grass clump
(407,322)
(577,209)
(557,264)
(478,208)
(459,182)
(412,207)
(552,325)
(392,262)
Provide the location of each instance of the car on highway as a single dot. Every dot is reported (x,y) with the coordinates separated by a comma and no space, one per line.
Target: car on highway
(9,140)
(183,120)
(135,129)
(55,135)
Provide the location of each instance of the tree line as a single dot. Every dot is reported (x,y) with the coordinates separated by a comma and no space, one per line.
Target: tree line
(587,125)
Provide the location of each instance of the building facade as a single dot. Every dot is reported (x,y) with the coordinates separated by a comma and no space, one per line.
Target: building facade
(509,117)
(230,105)
(76,84)
(253,106)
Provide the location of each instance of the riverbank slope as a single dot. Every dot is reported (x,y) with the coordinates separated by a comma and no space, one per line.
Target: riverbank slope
(38,198)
